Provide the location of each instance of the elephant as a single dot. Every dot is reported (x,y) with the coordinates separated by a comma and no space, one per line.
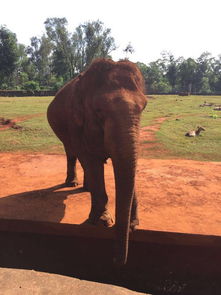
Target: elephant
(97,116)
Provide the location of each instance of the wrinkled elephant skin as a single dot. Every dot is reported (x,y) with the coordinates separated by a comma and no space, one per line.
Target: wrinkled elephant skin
(97,116)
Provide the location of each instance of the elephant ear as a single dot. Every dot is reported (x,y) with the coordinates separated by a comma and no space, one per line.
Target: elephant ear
(93,137)
(78,102)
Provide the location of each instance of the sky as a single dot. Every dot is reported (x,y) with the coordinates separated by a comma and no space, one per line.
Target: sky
(183,27)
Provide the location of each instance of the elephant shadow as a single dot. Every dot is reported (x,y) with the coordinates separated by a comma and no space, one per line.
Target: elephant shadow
(37,205)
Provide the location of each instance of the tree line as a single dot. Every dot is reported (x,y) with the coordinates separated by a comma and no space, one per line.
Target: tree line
(59,55)
(54,58)
(171,75)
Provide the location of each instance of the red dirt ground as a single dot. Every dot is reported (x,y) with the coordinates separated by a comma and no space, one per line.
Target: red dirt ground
(174,195)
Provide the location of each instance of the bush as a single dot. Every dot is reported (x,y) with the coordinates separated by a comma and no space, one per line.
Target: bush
(31,86)
(56,83)
(160,87)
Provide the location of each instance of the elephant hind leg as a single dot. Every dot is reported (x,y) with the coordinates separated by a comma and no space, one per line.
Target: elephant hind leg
(71,179)
(94,177)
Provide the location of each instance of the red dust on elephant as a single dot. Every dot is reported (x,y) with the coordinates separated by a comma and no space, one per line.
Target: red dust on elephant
(97,116)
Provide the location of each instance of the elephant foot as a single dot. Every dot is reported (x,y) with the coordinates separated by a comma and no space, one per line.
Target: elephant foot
(104,220)
(133,224)
(70,182)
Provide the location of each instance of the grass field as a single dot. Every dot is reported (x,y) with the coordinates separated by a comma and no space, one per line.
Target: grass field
(182,113)
(36,136)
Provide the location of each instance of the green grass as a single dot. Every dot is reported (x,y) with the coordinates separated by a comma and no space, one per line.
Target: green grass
(36,135)
(175,106)
(20,106)
(207,146)
(182,113)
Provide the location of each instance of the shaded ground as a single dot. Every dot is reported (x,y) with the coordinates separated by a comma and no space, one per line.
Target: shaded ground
(174,195)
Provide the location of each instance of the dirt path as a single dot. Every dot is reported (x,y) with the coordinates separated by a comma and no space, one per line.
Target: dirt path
(149,146)
(174,195)
(148,133)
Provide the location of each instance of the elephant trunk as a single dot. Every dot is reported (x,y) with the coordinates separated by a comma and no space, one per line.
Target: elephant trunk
(124,158)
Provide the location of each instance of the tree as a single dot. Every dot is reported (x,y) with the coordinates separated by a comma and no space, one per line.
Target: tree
(144,70)
(156,78)
(21,73)
(63,49)
(8,54)
(215,77)
(91,41)
(55,57)
(170,66)
(204,72)
(40,57)
(187,75)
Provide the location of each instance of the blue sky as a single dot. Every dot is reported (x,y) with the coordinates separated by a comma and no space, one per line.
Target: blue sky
(184,27)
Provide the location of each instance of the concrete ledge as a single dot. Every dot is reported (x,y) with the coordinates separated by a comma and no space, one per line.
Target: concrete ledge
(157,261)
(90,231)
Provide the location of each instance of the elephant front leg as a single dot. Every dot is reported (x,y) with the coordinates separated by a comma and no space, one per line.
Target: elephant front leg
(94,175)
(71,179)
(134,220)
(99,213)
